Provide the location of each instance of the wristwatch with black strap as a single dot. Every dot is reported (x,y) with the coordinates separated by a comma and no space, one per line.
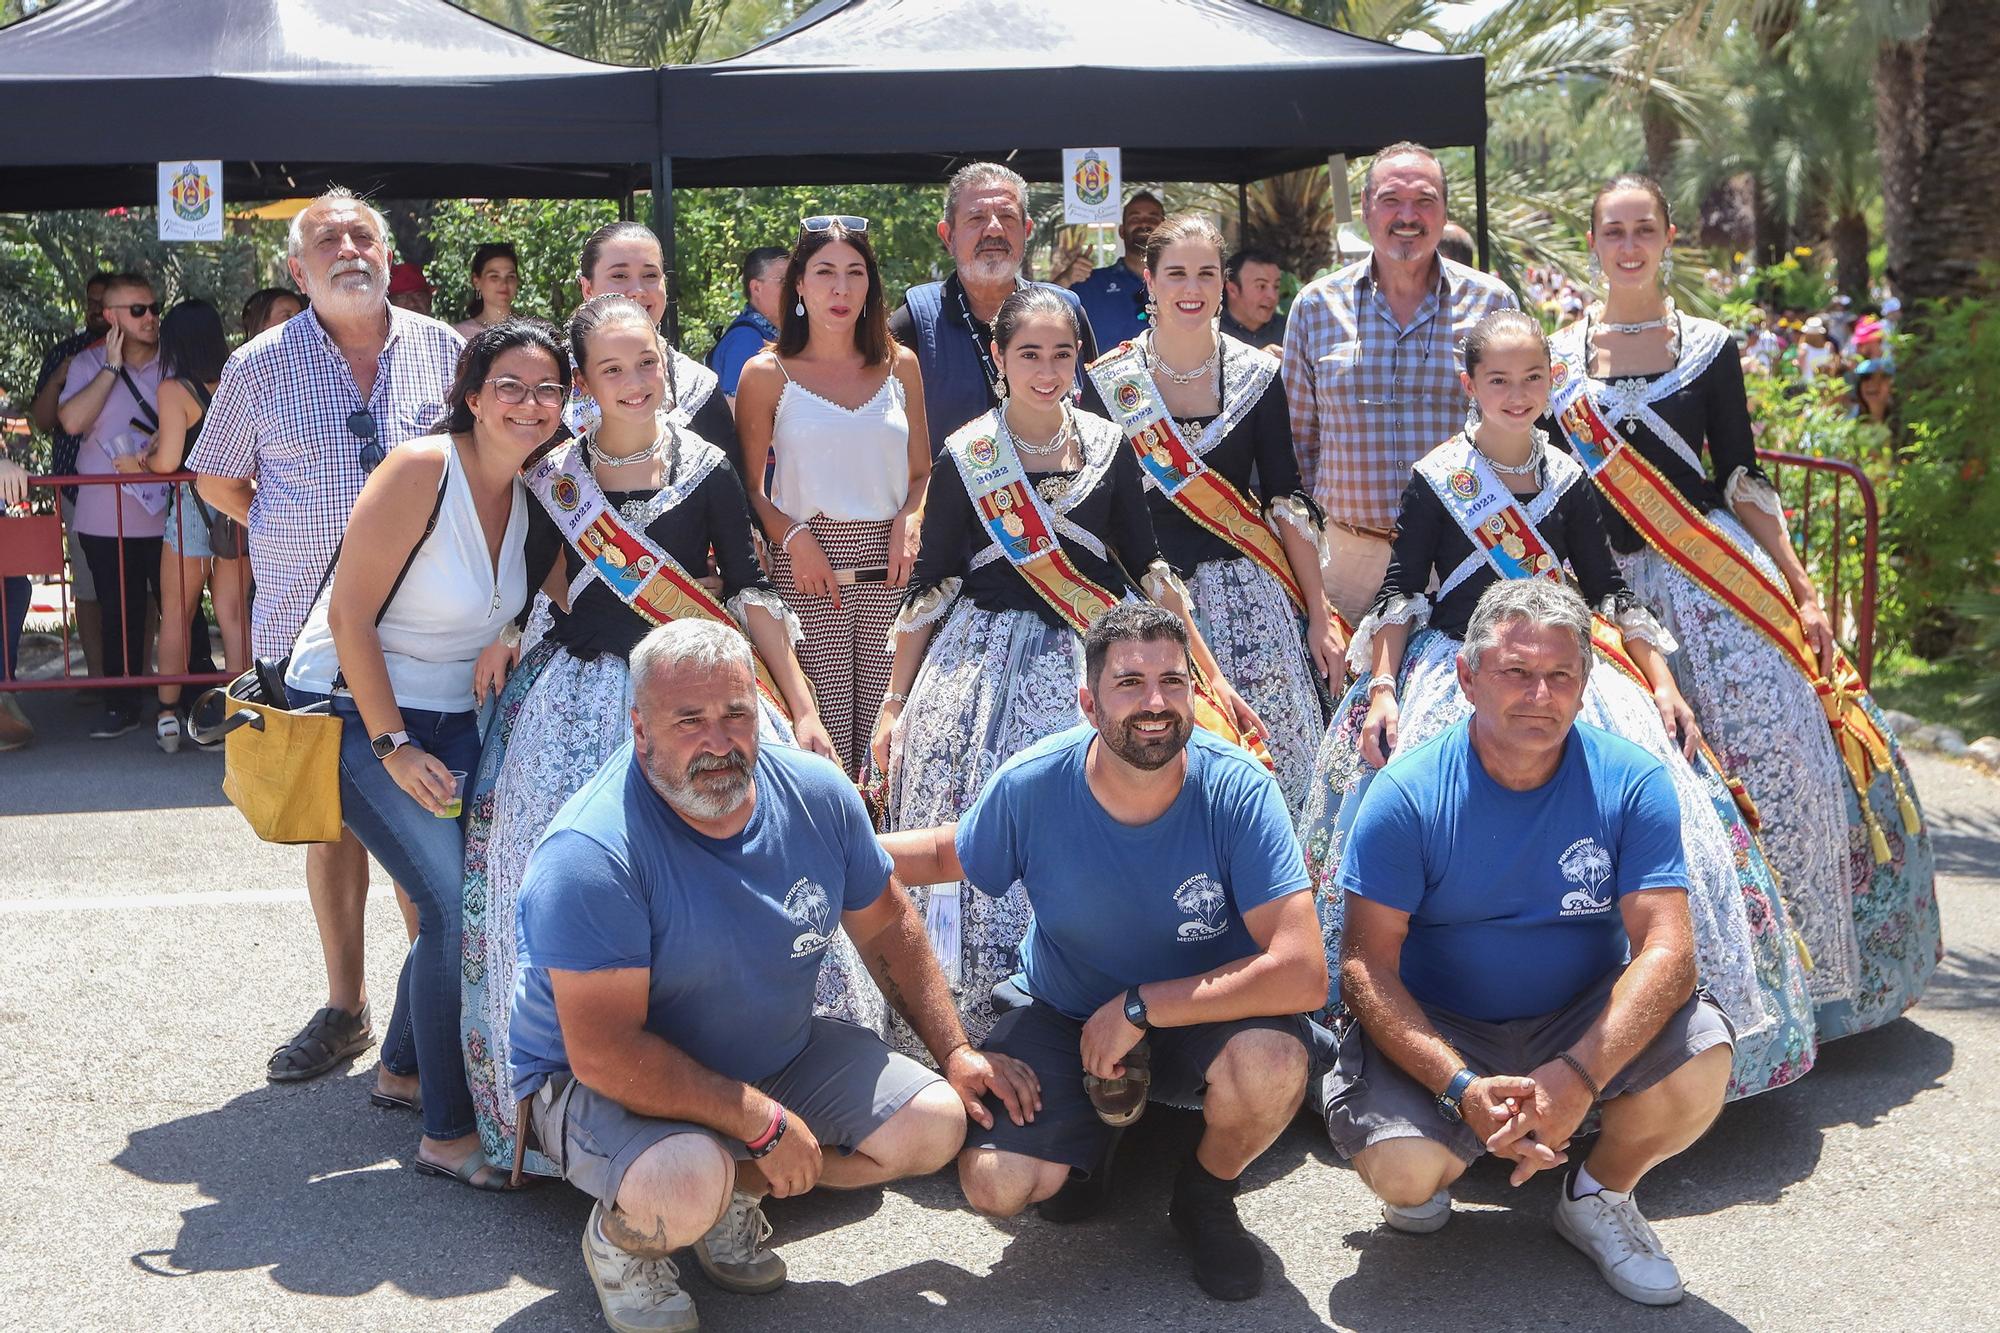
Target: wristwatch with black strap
(1453,1091)
(1135,1011)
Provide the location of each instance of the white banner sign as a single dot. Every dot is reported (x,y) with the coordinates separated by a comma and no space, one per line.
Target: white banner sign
(1091,187)
(190,201)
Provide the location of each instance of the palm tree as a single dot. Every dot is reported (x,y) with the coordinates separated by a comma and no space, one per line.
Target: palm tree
(1955,217)
(630,32)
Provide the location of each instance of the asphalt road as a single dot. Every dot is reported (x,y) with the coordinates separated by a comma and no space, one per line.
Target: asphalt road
(152,952)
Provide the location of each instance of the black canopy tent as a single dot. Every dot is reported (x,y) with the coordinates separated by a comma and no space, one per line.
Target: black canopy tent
(1190,90)
(402,98)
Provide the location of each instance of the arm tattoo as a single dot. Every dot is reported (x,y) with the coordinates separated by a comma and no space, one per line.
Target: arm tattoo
(900,961)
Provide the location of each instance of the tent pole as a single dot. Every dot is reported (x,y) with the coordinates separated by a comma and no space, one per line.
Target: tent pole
(1242,213)
(1479,186)
(663,227)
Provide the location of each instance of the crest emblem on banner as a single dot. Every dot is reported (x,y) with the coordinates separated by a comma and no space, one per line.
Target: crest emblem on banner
(191,194)
(1464,483)
(1092,179)
(566,493)
(1128,396)
(984,451)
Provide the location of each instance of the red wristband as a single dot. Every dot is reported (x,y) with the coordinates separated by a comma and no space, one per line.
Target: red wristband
(770,1133)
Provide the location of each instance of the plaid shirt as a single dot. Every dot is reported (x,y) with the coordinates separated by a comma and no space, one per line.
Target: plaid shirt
(280,415)
(1370,397)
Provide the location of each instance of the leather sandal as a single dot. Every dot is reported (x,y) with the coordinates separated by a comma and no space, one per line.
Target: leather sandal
(466,1173)
(329,1037)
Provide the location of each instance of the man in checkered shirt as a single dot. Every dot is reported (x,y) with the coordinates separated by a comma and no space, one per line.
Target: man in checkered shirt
(1371,367)
(302,414)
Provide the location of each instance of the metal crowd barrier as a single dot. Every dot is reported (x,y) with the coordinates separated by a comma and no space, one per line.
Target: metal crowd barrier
(36,545)
(1821,528)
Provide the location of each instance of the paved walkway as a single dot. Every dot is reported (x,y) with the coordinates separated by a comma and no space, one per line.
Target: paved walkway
(154,952)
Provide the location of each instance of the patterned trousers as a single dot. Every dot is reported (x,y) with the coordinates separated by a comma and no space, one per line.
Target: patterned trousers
(846,652)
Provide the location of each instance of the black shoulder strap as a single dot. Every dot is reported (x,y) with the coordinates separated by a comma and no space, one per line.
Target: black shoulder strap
(430,526)
(152,413)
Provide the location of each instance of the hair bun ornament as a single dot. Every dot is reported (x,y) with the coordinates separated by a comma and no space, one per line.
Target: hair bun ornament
(582,414)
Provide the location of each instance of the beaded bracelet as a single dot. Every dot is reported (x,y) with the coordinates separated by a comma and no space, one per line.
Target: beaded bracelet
(791,532)
(1376,682)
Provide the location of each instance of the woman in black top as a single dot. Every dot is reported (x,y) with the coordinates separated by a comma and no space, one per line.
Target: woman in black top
(984,667)
(1406,652)
(1229,409)
(1858,868)
(566,710)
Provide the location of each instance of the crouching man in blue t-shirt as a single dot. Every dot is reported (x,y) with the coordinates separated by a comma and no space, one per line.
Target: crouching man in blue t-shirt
(1517,949)
(672,923)
(1170,909)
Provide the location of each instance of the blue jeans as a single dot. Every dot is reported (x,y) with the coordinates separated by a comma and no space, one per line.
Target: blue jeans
(426,855)
(15,592)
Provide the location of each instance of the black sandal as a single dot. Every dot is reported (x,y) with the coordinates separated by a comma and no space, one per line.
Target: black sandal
(329,1036)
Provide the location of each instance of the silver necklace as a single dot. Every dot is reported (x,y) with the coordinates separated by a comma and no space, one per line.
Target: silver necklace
(1208,367)
(1526,469)
(1665,319)
(1056,441)
(652,450)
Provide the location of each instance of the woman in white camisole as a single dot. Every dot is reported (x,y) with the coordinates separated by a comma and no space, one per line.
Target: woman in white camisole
(414,630)
(838,409)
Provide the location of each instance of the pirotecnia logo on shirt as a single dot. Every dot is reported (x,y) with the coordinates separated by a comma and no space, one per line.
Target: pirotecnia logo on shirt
(1203,900)
(1588,866)
(807,903)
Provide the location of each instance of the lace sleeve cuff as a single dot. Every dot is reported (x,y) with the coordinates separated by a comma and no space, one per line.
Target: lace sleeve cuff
(1303,515)
(1399,609)
(766,598)
(1744,484)
(924,608)
(1636,622)
(1160,579)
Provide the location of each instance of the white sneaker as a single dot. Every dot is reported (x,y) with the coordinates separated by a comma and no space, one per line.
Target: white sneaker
(638,1295)
(167,731)
(1422,1220)
(733,1253)
(1622,1243)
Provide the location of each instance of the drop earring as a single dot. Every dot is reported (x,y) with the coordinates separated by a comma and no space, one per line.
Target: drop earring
(1667,270)
(1596,270)
(1152,311)
(799,309)
(1000,389)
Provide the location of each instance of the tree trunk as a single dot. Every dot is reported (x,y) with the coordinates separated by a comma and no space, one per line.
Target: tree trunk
(1899,143)
(1955,216)
(1850,256)
(1662,133)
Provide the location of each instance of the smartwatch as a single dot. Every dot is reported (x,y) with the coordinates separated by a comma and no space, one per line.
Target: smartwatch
(1448,1099)
(1135,1011)
(388,743)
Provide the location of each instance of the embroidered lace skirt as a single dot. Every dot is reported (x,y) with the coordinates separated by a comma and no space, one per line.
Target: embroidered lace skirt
(1872,930)
(992,684)
(1253,630)
(1745,954)
(558,720)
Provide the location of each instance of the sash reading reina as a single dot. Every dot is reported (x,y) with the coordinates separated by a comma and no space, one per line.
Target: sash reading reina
(1197,490)
(1687,539)
(1020,524)
(623,558)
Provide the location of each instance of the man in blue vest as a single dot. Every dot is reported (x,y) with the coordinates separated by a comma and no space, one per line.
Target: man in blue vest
(1115,296)
(949,324)
(755,324)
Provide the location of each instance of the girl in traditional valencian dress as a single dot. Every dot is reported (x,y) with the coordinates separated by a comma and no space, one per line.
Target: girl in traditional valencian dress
(622,523)
(1251,568)
(1036,515)
(1710,552)
(1499,501)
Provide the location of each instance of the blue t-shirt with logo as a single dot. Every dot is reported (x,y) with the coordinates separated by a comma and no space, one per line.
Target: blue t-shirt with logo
(732,929)
(1115,905)
(1114,297)
(1513,895)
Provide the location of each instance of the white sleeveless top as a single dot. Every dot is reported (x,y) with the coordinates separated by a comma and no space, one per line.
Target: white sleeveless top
(450,607)
(850,466)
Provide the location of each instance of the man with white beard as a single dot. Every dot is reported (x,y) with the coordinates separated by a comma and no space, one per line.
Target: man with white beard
(1371,367)
(303,413)
(673,921)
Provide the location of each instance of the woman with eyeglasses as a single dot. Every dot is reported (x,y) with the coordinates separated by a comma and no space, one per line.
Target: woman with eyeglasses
(622,522)
(412,632)
(837,406)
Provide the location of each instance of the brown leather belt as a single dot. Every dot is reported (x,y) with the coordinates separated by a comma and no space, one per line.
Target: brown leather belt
(1373,534)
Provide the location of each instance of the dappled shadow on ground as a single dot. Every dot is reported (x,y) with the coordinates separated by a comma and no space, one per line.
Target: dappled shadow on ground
(66,772)
(1965,842)
(1968,978)
(313,1184)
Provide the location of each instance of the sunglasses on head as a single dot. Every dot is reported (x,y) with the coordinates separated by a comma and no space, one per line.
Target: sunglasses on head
(361,424)
(827,222)
(140,309)
(510,390)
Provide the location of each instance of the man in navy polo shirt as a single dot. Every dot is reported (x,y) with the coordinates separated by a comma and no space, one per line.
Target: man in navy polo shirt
(672,924)
(1115,296)
(1170,908)
(1517,948)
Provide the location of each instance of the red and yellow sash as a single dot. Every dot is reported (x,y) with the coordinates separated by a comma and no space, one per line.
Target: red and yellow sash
(637,570)
(1685,536)
(1207,497)
(1022,526)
